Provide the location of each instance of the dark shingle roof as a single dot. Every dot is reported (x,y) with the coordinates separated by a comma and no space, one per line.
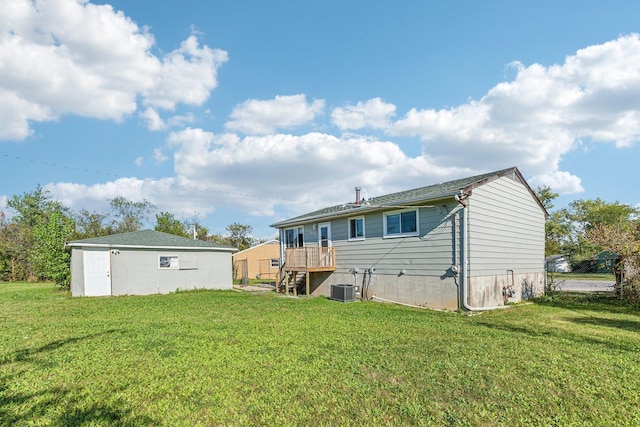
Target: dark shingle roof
(417,195)
(148,239)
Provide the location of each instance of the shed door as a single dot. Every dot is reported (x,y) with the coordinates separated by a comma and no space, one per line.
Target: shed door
(97,272)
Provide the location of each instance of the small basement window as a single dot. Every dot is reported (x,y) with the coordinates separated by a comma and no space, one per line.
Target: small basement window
(168,262)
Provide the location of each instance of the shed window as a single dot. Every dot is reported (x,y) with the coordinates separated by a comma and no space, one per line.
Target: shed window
(168,262)
(356,228)
(401,223)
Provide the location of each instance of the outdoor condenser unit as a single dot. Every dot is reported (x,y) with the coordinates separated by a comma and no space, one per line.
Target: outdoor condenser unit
(343,293)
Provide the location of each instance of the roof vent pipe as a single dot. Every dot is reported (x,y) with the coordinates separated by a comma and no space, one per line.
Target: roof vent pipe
(358,195)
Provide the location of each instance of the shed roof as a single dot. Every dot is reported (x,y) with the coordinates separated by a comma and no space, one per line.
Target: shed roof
(148,239)
(272,242)
(415,196)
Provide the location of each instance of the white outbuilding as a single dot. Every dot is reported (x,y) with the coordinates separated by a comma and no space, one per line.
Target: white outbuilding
(147,262)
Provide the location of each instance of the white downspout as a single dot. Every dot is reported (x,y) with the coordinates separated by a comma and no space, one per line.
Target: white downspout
(464,254)
(282,243)
(282,260)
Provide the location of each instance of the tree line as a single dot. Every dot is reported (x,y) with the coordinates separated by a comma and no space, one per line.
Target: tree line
(32,240)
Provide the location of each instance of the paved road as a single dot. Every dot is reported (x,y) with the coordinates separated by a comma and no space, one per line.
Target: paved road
(585,285)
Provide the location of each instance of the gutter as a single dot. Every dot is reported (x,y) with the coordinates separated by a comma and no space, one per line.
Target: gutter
(464,254)
(168,248)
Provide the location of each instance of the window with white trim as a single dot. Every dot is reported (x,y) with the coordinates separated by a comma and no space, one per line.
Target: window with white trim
(356,228)
(294,237)
(168,262)
(401,223)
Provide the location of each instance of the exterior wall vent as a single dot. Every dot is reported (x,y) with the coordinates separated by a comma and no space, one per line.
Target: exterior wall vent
(343,293)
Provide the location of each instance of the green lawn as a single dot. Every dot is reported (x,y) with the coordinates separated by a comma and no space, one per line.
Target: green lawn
(608,277)
(233,358)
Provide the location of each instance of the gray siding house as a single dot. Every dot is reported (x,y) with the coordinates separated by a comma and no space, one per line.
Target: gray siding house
(475,243)
(147,262)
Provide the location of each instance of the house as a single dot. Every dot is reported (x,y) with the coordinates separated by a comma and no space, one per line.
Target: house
(557,264)
(605,262)
(474,243)
(257,262)
(147,262)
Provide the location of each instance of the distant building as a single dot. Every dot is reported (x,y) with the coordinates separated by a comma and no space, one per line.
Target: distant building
(258,262)
(606,261)
(557,264)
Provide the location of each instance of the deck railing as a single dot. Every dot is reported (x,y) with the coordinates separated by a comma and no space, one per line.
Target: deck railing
(312,258)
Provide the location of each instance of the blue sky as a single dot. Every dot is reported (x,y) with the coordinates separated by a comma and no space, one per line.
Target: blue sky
(254,111)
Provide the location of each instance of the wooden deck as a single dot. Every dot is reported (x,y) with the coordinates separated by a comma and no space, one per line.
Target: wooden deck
(301,263)
(310,259)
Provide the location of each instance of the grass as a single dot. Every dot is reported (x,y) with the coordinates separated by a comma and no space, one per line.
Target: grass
(256,281)
(609,277)
(231,358)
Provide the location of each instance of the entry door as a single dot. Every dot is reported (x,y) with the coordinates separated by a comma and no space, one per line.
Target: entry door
(324,235)
(97,273)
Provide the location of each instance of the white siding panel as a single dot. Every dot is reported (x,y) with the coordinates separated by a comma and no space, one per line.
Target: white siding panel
(136,272)
(431,253)
(506,229)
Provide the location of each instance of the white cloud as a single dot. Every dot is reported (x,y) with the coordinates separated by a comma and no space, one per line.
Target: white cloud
(309,171)
(179,120)
(560,181)
(15,113)
(373,113)
(537,118)
(139,161)
(167,194)
(152,119)
(73,57)
(531,122)
(159,156)
(261,117)
(187,75)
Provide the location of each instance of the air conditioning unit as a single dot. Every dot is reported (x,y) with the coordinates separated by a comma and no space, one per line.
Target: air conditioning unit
(343,293)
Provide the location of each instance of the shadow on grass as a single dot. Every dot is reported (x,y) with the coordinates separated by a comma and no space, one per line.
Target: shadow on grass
(544,332)
(27,354)
(64,407)
(627,325)
(563,335)
(57,406)
(588,301)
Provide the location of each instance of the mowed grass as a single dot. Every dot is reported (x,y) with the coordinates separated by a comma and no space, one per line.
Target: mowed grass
(230,358)
(607,277)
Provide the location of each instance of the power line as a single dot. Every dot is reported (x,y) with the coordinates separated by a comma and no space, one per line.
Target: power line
(207,187)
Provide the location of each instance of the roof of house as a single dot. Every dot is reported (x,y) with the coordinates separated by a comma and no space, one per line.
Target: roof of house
(407,198)
(148,239)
